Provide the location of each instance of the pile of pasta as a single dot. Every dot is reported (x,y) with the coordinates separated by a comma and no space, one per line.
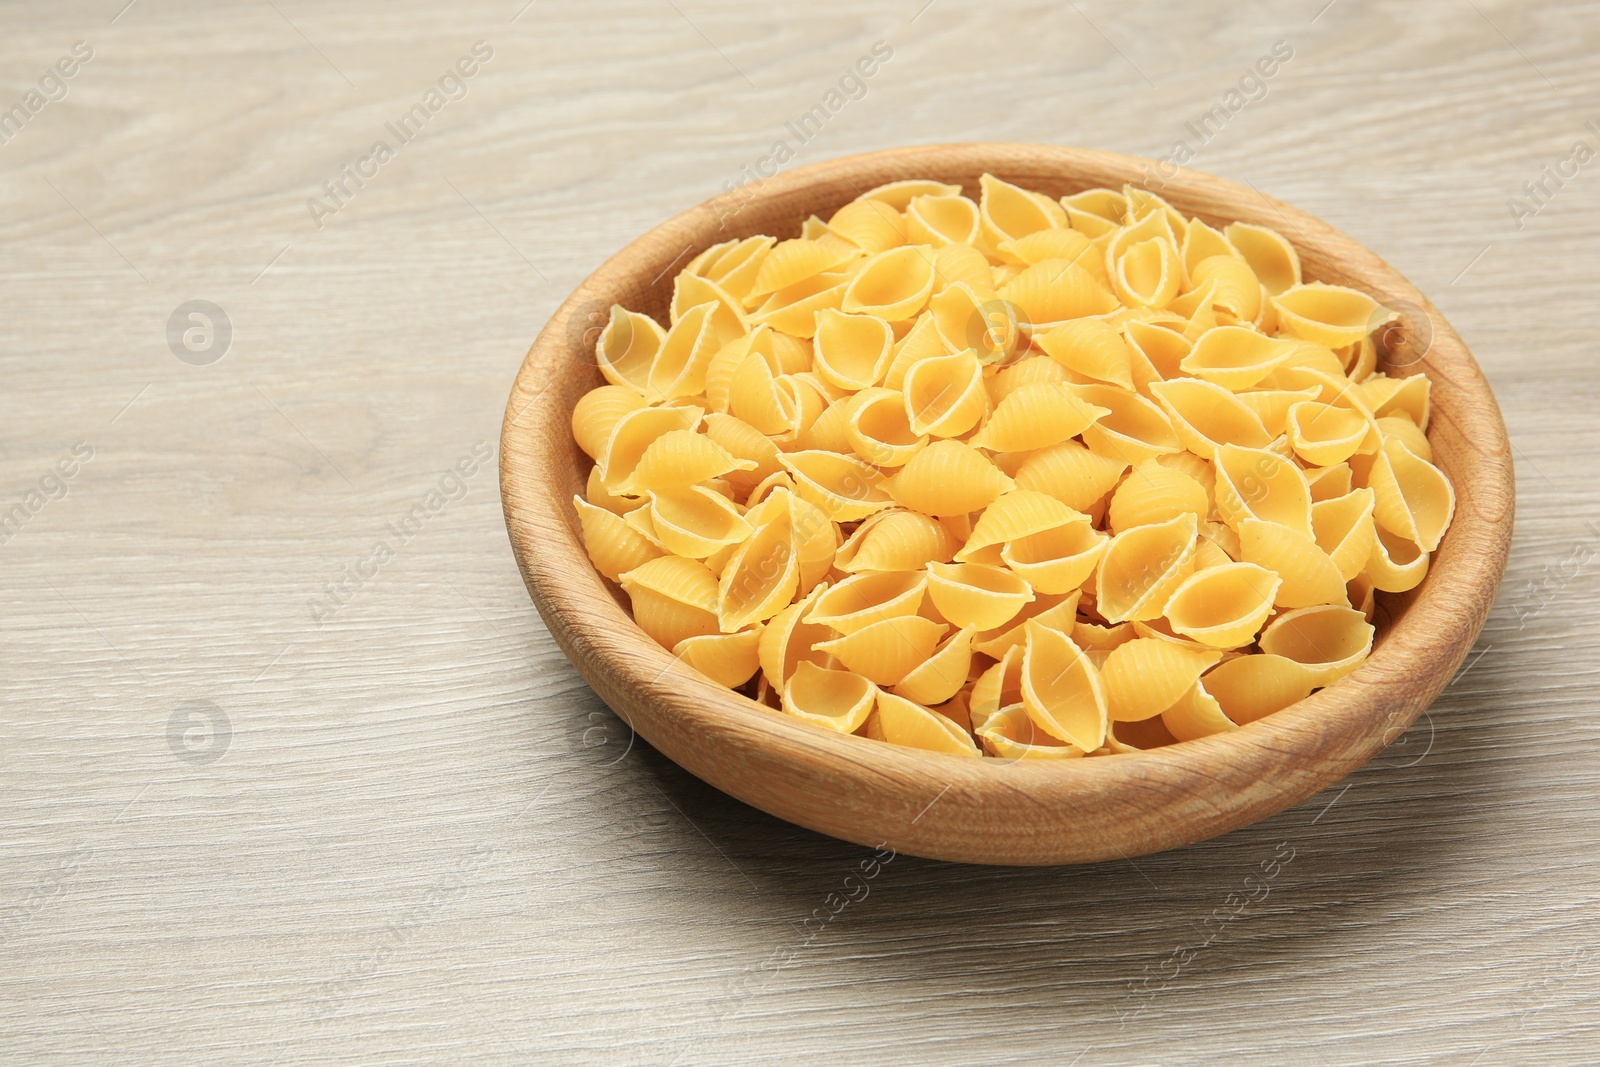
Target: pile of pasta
(1017,477)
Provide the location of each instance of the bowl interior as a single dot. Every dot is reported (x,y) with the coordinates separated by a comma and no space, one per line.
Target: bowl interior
(870,792)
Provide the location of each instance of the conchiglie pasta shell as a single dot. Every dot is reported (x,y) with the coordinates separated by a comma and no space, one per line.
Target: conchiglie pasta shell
(1146,676)
(1206,415)
(921,341)
(1248,688)
(1096,212)
(681,458)
(961,264)
(1061,689)
(1330,315)
(852,351)
(1309,575)
(1398,396)
(1014,515)
(977,596)
(834,700)
(1134,429)
(944,395)
(1061,244)
(763,574)
(1092,348)
(899,194)
(1322,434)
(947,478)
(1197,714)
(879,430)
(1030,370)
(886,651)
(727,659)
(1396,564)
(1143,566)
(673,598)
(941,676)
(871,224)
(844,487)
(941,220)
(1057,560)
(895,540)
(612,544)
(1272,258)
(1272,406)
(972,318)
(1345,530)
(1010,734)
(1037,416)
(596,413)
(863,599)
(1201,242)
(746,443)
(1148,273)
(1412,498)
(906,723)
(1235,357)
(1153,493)
(695,521)
(1058,612)
(793,310)
(892,286)
(633,434)
(1054,290)
(788,640)
(1223,605)
(1401,428)
(1071,473)
(1008,212)
(1254,483)
(1237,291)
(1329,641)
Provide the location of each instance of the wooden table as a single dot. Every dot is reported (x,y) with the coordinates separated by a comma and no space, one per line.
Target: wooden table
(291,771)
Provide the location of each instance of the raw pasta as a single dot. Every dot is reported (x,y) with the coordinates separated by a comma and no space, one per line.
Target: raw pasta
(1009,477)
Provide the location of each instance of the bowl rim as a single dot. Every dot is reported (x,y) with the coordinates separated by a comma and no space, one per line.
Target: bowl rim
(881,794)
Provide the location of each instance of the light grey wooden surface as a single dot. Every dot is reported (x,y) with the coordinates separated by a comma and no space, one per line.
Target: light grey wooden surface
(419,837)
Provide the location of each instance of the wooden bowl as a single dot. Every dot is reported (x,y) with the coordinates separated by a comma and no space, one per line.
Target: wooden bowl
(991,811)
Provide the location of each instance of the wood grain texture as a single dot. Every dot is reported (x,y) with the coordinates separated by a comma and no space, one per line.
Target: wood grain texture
(426,840)
(988,811)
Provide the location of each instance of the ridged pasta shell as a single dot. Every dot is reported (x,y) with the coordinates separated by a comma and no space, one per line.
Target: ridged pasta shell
(1272,406)
(1063,244)
(892,286)
(673,598)
(596,413)
(1133,429)
(1309,575)
(1009,212)
(1412,498)
(1090,347)
(763,574)
(626,348)
(634,433)
(879,429)
(1037,416)
(789,640)
(1201,242)
(1057,560)
(863,599)
(1143,566)
(907,723)
(733,265)
(852,351)
(695,521)
(899,194)
(1256,483)
(727,659)
(1014,515)
(1272,258)
(612,544)
(727,317)
(1030,370)
(1071,473)
(792,262)
(1235,357)
(1329,641)
(1061,689)
(871,224)
(1096,212)
(968,317)
(748,444)
(1331,315)
(1054,290)
(834,700)
(1058,612)
(944,395)
(1146,676)
(1197,714)
(1398,396)
(961,264)
(942,675)
(1248,688)
(886,651)
(895,540)
(1322,434)
(844,487)
(793,310)
(947,478)
(1396,564)
(681,458)
(1222,605)
(975,595)
(1148,273)
(921,341)
(1152,493)
(1010,734)
(1402,429)
(1237,290)
(1345,530)
(941,220)
(1206,415)
(996,687)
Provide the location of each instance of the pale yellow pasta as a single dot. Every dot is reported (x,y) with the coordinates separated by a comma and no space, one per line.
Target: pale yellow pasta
(1004,476)
(904,722)
(892,286)
(947,478)
(729,659)
(1222,604)
(1061,689)
(1146,676)
(834,700)
(1206,415)
(1037,416)
(944,395)
(977,595)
